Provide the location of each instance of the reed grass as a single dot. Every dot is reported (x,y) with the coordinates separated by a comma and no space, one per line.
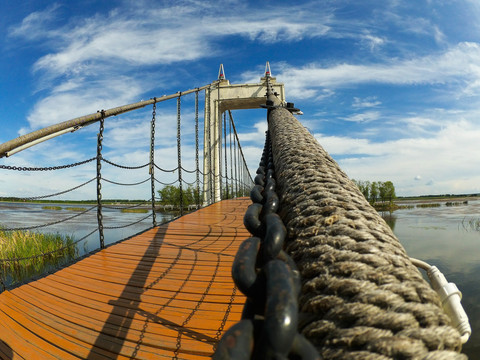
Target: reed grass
(471,224)
(429,205)
(75,209)
(26,254)
(139,211)
(50,207)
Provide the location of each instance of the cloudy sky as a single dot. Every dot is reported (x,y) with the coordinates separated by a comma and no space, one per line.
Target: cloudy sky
(390,88)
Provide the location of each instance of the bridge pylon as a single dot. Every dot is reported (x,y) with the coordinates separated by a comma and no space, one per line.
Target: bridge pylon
(222,96)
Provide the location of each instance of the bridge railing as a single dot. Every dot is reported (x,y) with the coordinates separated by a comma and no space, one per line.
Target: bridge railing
(136,172)
(324,275)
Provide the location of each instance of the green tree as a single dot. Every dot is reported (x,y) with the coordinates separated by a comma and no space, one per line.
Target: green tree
(170,195)
(389,191)
(373,192)
(376,190)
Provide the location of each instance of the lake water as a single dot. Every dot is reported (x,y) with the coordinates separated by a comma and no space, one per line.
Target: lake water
(440,236)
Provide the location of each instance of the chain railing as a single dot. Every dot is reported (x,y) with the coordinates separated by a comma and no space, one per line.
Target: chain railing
(168,191)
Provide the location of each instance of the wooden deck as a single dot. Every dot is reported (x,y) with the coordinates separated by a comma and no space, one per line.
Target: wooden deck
(166,293)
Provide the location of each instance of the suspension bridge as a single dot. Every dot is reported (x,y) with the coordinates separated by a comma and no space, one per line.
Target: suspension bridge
(289,263)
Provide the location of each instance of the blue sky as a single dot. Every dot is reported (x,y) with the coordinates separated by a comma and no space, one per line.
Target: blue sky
(390,88)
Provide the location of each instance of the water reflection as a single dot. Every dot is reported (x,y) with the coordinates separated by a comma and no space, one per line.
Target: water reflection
(437,236)
(118,225)
(390,218)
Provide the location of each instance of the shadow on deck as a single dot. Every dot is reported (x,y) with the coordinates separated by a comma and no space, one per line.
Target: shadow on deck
(166,293)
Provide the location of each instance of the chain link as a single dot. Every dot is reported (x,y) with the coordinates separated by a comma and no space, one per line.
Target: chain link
(34,227)
(99,181)
(124,226)
(49,168)
(59,193)
(123,166)
(269,278)
(152,161)
(179,152)
(197,165)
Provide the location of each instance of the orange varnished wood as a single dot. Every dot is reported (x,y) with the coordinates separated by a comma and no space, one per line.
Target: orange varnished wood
(163,294)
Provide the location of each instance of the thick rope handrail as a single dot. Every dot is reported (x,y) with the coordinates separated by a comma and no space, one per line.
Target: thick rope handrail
(82,121)
(362,296)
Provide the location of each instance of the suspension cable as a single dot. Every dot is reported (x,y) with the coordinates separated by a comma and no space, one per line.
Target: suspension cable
(179,154)
(99,181)
(197,195)
(225,146)
(152,160)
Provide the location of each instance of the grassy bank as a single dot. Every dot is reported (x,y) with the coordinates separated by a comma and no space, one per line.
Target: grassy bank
(30,254)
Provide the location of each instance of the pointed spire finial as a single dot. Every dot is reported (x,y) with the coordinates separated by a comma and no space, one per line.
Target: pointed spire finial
(221,73)
(268,73)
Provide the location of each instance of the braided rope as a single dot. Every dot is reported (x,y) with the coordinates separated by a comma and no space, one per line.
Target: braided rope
(363,297)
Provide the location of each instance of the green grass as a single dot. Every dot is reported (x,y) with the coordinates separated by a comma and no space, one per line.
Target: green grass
(428,205)
(21,249)
(49,207)
(79,209)
(139,211)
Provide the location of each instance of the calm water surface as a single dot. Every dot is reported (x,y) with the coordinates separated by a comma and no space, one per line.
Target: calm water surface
(441,237)
(17,215)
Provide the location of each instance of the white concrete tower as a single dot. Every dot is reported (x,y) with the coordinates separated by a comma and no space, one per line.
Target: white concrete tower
(220,97)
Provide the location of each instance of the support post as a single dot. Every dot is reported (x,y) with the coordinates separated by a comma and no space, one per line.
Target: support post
(152,162)
(99,181)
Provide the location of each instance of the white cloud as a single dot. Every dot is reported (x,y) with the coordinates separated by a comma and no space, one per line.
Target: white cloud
(363,117)
(367,102)
(33,26)
(457,65)
(441,157)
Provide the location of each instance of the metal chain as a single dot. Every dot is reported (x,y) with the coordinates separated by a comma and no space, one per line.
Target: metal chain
(125,184)
(49,168)
(59,193)
(164,170)
(125,167)
(225,146)
(209,158)
(235,164)
(152,160)
(51,223)
(99,181)
(197,195)
(179,152)
(124,226)
(231,159)
(269,278)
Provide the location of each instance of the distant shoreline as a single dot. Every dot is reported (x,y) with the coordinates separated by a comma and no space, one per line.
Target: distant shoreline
(436,198)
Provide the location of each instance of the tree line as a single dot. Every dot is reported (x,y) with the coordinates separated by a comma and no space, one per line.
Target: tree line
(375,191)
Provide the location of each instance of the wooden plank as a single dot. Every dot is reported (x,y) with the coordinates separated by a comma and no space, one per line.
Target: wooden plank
(164,293)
